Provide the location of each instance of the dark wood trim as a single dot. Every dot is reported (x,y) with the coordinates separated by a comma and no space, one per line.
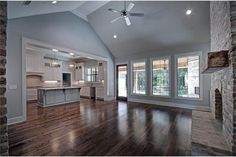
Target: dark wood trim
(117,97)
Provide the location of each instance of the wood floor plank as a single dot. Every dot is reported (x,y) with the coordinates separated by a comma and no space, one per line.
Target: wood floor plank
(102,128)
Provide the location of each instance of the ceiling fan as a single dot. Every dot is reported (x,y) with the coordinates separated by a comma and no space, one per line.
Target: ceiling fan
(125,13)
(26,2)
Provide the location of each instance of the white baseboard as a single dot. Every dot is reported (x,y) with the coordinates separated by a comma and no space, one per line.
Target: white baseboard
(171,104)
(15,120)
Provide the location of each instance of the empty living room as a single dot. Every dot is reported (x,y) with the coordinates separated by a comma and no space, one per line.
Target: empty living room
(117,78)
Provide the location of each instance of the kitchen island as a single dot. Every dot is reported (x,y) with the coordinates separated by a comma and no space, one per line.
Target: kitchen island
(59,95)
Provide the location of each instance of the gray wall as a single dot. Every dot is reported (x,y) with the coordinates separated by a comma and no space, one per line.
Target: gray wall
(61,29)
(172,52)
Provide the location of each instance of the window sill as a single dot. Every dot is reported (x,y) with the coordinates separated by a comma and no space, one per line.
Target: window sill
(160,96)
(188,98)
(134,94)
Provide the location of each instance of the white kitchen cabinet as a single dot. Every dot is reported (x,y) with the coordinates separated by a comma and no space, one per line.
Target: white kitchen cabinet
(100,75)
(34,62)
(99,92)
(66,68)
(57,71)
(85,91)
(79,72)
(52,73)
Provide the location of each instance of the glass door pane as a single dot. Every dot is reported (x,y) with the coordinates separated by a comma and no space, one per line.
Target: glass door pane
(122,81)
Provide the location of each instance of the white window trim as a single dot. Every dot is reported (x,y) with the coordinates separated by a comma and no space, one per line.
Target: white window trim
(198,53)
(169,67)
(131,76)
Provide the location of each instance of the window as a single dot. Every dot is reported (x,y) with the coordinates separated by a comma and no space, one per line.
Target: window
(139,77)
(91,74)
(188,76)
(160,77)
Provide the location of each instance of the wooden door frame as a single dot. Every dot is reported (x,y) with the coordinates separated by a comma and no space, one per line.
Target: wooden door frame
(117,89)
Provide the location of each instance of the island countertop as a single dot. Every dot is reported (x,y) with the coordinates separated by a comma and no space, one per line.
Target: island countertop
(58,95)
(59,88)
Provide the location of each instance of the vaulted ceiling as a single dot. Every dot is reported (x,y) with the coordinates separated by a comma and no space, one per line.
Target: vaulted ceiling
(80,8)
(165,24)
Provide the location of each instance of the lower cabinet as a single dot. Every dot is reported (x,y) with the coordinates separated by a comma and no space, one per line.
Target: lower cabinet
(88,92)
(85,92)
(100,93)
(55,97)
(72,95)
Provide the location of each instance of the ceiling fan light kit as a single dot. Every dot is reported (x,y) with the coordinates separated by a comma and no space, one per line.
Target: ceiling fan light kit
(125,13)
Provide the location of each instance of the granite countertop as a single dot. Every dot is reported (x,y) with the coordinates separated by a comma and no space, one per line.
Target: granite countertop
(59,88)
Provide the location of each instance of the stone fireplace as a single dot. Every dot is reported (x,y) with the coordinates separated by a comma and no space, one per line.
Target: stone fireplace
(223,31)
(218,105)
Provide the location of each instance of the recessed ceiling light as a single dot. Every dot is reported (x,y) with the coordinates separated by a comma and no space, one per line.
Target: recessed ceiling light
(54,2)
(72,54)
(71,65)
(188,12)
(55,50)
(114,36)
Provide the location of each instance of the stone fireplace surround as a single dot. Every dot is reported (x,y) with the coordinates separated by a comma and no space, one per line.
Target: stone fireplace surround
(223,31)
(218,105)
(214,133)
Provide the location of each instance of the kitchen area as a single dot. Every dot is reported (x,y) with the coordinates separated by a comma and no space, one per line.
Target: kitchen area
(55,77)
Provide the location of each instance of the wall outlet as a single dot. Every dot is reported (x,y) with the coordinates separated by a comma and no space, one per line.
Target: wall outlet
(13,86)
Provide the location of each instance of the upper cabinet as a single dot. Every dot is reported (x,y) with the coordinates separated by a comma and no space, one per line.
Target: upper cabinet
(53,71)
(68,67)
(34,62)
(101,66)
(79,72)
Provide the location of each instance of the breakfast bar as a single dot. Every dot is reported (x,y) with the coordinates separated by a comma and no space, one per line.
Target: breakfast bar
(59,95)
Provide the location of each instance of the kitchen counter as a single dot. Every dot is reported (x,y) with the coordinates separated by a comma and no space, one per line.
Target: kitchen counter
(59,88)
(58,95)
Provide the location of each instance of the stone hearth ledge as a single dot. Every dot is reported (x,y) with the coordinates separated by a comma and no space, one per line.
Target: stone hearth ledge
(207,132)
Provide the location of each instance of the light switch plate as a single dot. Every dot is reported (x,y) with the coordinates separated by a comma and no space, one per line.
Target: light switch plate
(13,86)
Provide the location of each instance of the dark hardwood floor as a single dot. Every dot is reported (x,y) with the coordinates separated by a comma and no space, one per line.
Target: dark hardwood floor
(102,128)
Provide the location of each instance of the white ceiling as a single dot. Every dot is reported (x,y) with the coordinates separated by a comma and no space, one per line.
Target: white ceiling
(164,26)
(80,8)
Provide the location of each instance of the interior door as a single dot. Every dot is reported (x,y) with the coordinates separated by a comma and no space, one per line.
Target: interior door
(121,73)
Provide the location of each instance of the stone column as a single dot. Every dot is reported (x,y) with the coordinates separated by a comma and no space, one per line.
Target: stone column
(3,109)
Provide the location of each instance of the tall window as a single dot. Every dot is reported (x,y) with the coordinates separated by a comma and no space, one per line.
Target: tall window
(188,76)
(139,77)
(160,77)
(91,74)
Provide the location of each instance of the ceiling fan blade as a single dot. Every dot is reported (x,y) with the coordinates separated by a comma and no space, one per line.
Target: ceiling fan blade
(116,19)
(127,21)
(137,14)
(26,2)
(131,5)
(115,11)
